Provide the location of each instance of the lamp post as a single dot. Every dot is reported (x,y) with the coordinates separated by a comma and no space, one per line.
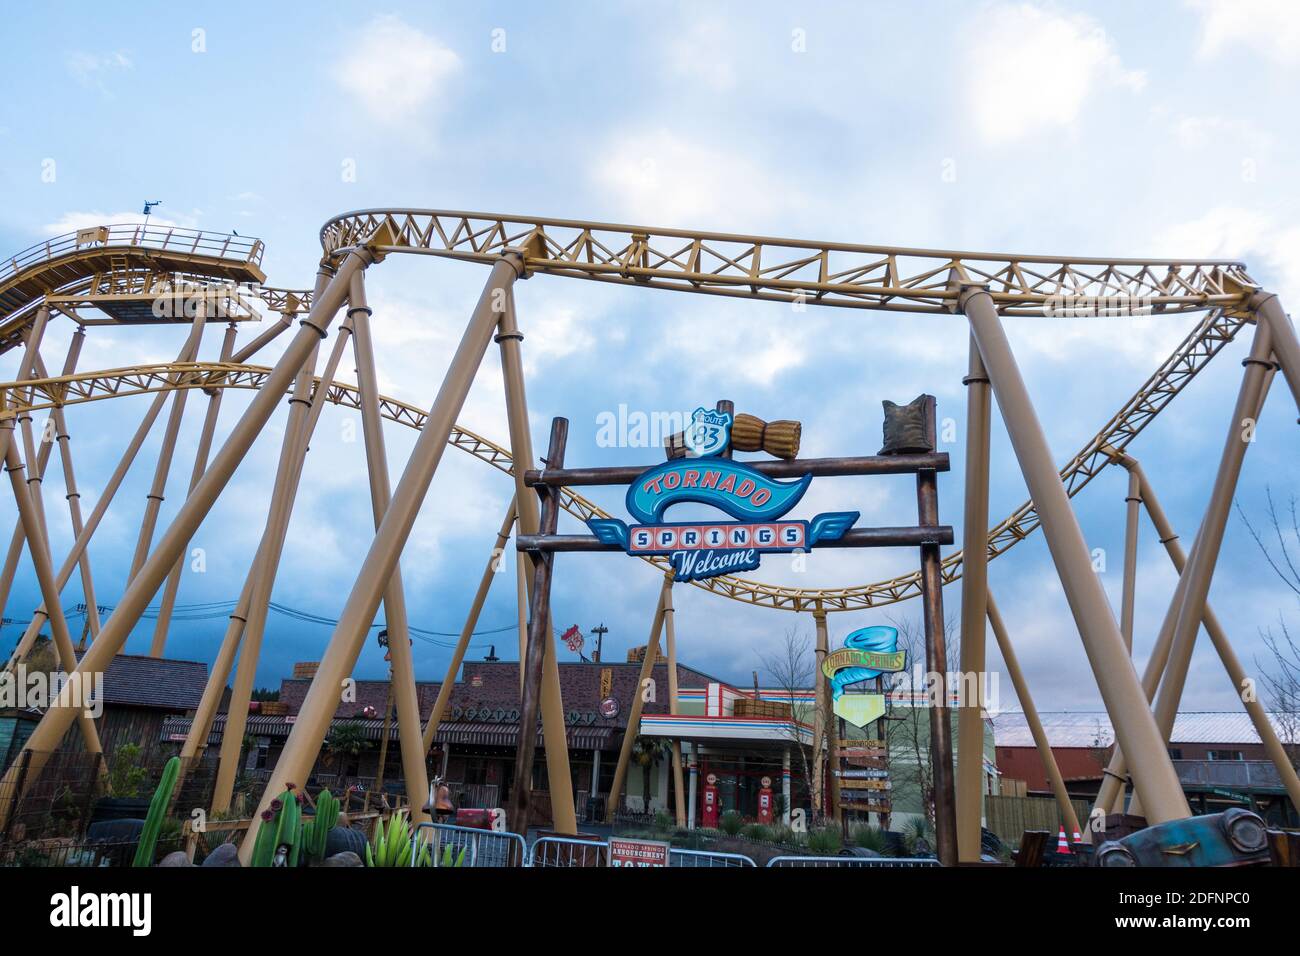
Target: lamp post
(388,718)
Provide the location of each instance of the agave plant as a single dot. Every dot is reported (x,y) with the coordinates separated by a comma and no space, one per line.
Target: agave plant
(392,845)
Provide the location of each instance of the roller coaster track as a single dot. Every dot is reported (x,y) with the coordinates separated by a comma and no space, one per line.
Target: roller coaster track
(1215,330)
(114,266)
(792,270)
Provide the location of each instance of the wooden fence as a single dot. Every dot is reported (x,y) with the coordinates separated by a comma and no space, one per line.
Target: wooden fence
(1010,817)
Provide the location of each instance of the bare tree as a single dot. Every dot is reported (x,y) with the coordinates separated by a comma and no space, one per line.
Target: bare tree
(909,727)
(792,669)
(1280,545)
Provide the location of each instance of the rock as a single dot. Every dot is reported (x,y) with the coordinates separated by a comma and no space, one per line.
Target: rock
(175,858)
(346,858)
(341,839)
(225,855)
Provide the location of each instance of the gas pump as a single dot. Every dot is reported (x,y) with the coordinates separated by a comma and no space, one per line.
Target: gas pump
(711,802)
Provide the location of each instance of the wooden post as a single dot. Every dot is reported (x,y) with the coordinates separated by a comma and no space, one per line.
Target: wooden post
(936,659)
(538,638)
(634,712)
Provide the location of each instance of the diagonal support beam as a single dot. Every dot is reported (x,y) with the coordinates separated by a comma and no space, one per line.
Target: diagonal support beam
(1241,682)
(466,632)
(662,607)
(101,507)
(1199,570)
(1135,726)
(974,600)
(201,454)
(138,594)
(40,553)
(303,746)
(554,733)
(402,682)
(154,500)
(1041,742)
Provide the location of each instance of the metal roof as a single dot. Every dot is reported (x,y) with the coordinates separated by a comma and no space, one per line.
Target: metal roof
(449,731)
(1093,728)
(136,681)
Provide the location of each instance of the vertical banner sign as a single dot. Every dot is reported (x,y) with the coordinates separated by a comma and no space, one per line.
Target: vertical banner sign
(705,549)
(867,653)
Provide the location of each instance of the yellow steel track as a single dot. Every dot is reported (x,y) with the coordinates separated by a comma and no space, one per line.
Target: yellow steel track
(1214,331)
(71,270)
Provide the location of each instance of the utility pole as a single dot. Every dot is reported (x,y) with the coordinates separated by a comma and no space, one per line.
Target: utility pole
(599,633)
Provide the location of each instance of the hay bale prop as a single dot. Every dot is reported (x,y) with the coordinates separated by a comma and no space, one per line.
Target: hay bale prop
(748,433)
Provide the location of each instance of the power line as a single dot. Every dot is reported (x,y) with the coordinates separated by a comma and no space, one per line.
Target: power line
(214,610)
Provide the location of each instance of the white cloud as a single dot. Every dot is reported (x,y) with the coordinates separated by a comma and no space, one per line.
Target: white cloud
(395,70)
(72,221)
(1270,27)
(1270,249)
(661,178)
(89,69)
(1031,69)
(1199,132)
(697,53)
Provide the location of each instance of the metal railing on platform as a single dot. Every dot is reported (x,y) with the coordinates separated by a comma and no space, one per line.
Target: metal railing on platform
(140,235)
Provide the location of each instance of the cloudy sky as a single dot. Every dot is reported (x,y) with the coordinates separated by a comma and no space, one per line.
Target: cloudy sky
(1090,129)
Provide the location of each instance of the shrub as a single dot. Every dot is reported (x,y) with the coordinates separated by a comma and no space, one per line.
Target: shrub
(757,831)
(783,834)
(918,836)
(664,820)
(870,837)
(126,778)
(731,823)
(824,841)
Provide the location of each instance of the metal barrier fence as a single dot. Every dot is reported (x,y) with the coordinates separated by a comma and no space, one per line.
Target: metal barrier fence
(705,858)
(480,848)
(79,853)
(553,851)
(490,848)
(876,862)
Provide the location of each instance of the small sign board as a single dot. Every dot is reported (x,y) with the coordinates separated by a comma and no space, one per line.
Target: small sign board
(867,807)
(871,774)
(624,851)
(850,753)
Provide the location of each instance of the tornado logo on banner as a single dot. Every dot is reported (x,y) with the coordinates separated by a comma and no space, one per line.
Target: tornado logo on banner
(705,549)
(867,653)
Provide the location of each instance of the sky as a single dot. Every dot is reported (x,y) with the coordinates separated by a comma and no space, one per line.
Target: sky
(1105,129)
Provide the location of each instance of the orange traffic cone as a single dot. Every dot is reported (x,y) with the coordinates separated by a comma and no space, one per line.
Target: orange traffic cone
(1078,838)
(1061,845)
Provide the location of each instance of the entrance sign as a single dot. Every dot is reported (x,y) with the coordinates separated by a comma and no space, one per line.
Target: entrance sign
(705,549)
(752,500)
(628,852)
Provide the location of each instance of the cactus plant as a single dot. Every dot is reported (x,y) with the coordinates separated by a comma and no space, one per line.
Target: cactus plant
(316,832)
(162,798)
(279,838)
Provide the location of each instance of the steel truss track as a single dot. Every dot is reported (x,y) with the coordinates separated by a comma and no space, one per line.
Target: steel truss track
(1215,330)
(790,270)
